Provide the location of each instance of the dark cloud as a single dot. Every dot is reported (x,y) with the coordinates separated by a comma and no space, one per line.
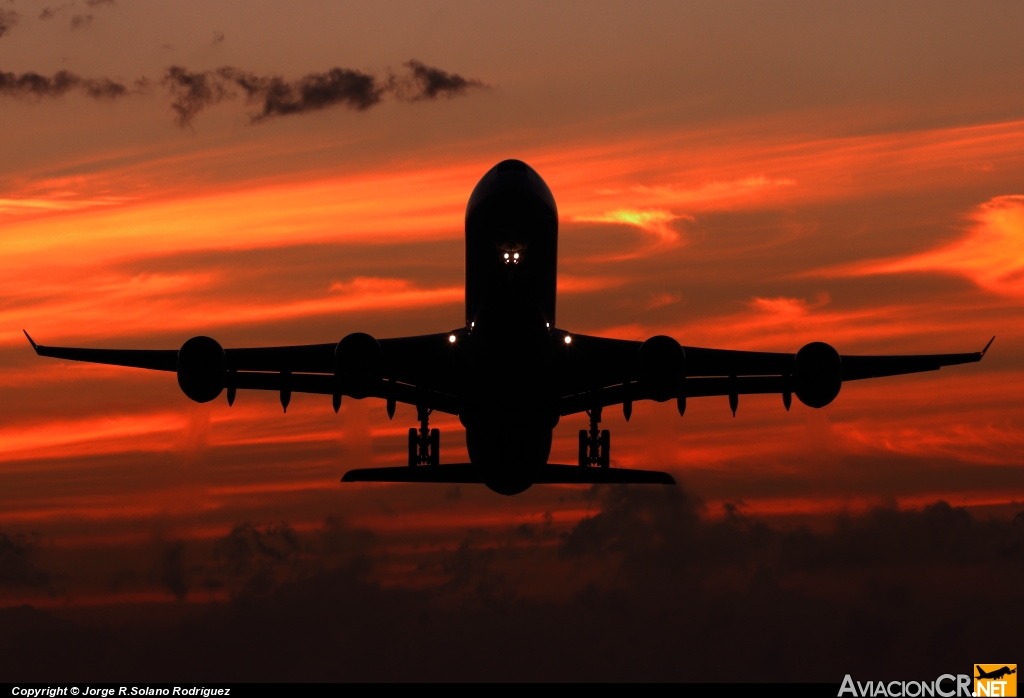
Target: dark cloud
(80,21)
(17,569)
(254,560)
(36,85)
(648,588)
(274,96)
(425,82)
(171,573)
(77,20)
(8,18)
(192,92)
(278,97)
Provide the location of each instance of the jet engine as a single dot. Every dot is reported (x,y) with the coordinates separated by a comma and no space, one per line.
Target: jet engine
(358,364)
(201,369)
(817,374)
(660,367)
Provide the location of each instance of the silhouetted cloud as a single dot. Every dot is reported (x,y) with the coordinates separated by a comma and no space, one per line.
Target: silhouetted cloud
(8,18)
(78,20)
(171,572)
(275,96)
(253,559)
(192,92)
(35,85)
(278,97)
(17,568)
(649,587)
(426,82)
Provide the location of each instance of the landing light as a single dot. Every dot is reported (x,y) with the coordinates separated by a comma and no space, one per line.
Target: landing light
(547,324)
(451,339)
(568,339)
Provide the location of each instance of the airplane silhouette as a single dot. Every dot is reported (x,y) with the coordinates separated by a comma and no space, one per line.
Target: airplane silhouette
(995,674)
(510,373)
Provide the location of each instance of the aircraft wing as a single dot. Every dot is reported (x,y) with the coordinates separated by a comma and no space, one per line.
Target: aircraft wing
(412,370)
(601,372)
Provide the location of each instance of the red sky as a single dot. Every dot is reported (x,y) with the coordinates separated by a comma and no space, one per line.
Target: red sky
(734,175)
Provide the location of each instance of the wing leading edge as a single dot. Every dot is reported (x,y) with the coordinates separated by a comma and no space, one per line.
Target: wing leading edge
(599,372)
(412,370)
(605,372)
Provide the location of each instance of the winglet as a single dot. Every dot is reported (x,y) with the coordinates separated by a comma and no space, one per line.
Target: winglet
(983,351)
(36,347)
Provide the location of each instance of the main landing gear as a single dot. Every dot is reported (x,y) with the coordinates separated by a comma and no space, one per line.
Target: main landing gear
(424,443)
(595,445)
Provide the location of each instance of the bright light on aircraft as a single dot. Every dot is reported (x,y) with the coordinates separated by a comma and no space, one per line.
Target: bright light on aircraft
(451,338)
(568,339)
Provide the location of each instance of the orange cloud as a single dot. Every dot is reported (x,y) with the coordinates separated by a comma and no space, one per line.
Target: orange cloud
(991,254)
(16,207)
(77,438)
(787,308)
(159,303)
(753,167)
(569,283)
(62,276)
(747,192)
(655,222)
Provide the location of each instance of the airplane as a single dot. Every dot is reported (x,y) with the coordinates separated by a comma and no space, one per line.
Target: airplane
(995,674)
(510,373)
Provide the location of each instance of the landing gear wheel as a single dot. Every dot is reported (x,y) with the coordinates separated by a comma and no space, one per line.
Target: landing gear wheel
(434,454)
(595,444)
(424,443)
(414,447)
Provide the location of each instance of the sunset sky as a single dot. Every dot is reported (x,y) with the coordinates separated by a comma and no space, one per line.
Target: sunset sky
(735,175)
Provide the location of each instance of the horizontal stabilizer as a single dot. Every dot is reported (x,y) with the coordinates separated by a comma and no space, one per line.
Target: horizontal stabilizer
(467,473)
(454,473)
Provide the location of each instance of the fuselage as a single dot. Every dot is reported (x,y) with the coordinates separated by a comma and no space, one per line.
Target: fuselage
(507,366)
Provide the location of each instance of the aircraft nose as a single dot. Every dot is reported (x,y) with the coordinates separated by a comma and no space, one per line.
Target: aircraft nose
(513,166)
(509,204)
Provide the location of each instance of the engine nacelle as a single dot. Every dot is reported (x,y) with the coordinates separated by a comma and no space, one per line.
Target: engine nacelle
(201,369)
(817,374)
(358,364)
(660,368)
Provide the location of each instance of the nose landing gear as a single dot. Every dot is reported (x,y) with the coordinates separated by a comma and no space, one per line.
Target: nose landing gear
(424,443)
(595,444)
